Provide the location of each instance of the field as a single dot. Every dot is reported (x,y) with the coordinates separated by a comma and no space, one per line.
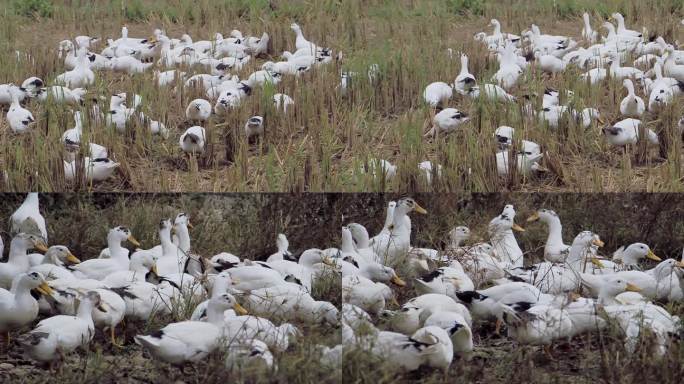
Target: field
(330,135)
(222,224)
(246,224)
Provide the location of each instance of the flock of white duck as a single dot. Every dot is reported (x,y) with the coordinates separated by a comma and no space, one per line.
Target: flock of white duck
(213,62)
(465,286)
(246,309)
(657,73)
(538,303)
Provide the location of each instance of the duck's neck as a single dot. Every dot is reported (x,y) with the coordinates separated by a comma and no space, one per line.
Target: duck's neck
(629,259)
(576,256)
(17,254)
(85,310)
(464,65)
(587,24)
(497,29)
(389,217)
(116,251)
(22,295)
(347,242)
(214,314)
(630,90)
(49,258)
(362,240)
(555,233)
(605,298)
(165,239)
(183,238)
(661,272)
(658,70)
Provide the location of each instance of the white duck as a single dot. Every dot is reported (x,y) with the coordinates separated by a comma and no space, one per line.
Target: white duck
(437,94)
(30,208)
(60,334)
(430,346)
(17,307)
(79,77)
(198,110)
(188,341)
(588,33)
(118,260)
(192,140)
(555,251)
(626,132)
(52,265)
(446,121)
(632,105)
(501,236)
(18,261)
(19,118)
(465,80)
(394,241)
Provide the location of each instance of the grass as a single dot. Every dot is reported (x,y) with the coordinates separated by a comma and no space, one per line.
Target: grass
(323,142)
(246,225)
(222,223)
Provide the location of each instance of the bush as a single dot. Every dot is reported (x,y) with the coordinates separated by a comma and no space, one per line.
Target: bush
(33,8)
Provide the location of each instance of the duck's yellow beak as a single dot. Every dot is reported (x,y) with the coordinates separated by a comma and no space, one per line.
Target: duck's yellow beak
(394,301)
(518,228)
(72,259)
(420,209)
(632,288)
(45,289)
(102,307)
(598,242)
(190,225)
(239,309)
(652,256)
(596,262)
(398,281)
(533,217)
(133,241)
(680,264)
(154,269)
(41,246)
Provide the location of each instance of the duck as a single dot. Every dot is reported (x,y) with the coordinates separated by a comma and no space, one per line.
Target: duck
(198,110)
(239,329)
(57,335)
(446,121)
(96,169)
(492,92)
(62,95)
(302,271)
(19,118)
(99,269)
(509,71)
(52,265)
(549,63)
(129,65)
(654,283)
(72,137)
(555,251)
(437,94)
(554,278)
(366,294)
(219,287)
(465,80)
(290,302)
(431,303)
(248,354)
(444,280)
(79,77)
(17,306)
(526,161)
(141,264)
(588,33)
(251,277)
(626,132)
(501,235)
(621,28)
(395,241)
(282,244)
(30,208)
(539,324)
(429,346)
(619,73)
(457,327)
(173,259)
(254,127)
(144,300)
(109,313)
(188,341)
(362,243)
(18,261)
(627,258)
(282,102)
(192,140)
